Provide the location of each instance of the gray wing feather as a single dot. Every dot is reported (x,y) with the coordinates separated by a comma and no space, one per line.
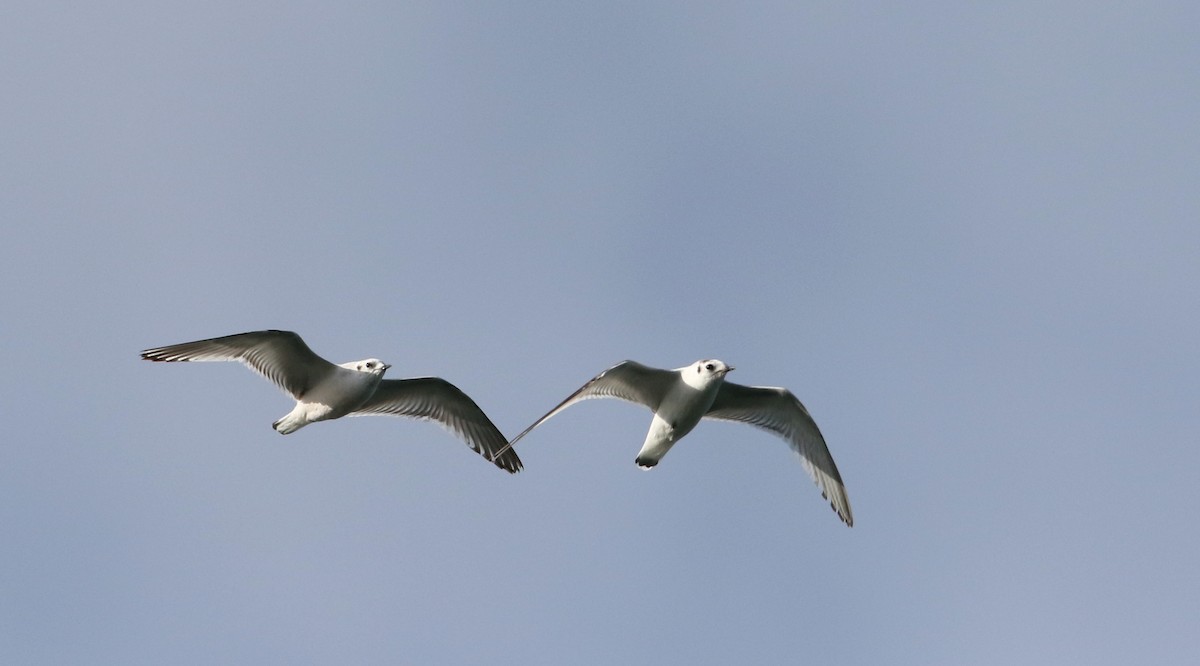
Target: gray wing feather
(435,399)
(280,356)
(629,380)
(779,411)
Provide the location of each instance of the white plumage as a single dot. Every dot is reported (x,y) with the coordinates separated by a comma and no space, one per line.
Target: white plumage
(681,397)
(325,391)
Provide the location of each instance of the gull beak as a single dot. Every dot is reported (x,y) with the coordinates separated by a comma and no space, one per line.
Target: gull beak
(729,369)
(386,366)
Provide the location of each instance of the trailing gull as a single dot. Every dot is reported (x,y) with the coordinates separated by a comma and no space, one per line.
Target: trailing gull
(325,391)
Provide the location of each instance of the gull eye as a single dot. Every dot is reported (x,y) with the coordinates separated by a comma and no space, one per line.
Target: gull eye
(710,367)
(370,365)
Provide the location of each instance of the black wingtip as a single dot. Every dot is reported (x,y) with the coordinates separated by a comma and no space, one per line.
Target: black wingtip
(508,461)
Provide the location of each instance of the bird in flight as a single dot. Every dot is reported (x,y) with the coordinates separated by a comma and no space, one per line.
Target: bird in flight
(681,397)
(325,391)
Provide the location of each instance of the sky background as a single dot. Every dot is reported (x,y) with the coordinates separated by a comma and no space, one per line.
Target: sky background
(967,237)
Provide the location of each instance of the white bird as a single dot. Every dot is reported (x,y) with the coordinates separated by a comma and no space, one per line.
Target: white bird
(680,398)
(325,391)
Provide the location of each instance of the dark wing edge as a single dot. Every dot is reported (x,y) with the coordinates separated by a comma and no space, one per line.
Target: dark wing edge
(435,399)
(777,410)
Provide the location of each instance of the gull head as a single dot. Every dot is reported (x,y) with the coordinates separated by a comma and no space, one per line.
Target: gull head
(709,370)
(371,366)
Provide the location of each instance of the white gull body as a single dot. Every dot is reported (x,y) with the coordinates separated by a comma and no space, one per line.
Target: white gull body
(680,398)
(324,391)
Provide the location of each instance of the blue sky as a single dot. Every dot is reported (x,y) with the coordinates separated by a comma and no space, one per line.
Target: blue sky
(965,236)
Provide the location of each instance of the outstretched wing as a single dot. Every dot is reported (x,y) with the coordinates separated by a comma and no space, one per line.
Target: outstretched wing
(778,410)
(280,356)
(435,399)
(628,380)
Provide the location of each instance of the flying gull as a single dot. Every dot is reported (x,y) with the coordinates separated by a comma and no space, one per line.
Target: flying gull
(325,391)
(680,398)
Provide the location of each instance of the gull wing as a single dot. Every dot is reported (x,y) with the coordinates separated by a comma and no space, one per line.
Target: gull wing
(280,356)
(629,380)
(779,411)
(435,399)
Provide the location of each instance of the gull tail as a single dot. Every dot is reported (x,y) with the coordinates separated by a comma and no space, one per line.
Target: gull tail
(289,424)
(646,463)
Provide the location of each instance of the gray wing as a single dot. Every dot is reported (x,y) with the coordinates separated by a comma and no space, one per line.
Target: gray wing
(280,356)
(435,399)
(778,410)
(628,380)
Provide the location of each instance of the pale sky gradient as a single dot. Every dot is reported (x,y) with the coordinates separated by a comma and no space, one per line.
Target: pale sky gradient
(967,237)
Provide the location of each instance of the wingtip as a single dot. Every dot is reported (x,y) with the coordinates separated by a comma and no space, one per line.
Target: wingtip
(846,517)
(508,461)
(158,355)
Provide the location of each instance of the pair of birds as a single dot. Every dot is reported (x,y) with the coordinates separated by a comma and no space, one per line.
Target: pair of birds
(679,399)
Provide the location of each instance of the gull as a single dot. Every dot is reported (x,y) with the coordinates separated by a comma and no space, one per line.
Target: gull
(325,391)
(681,397)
